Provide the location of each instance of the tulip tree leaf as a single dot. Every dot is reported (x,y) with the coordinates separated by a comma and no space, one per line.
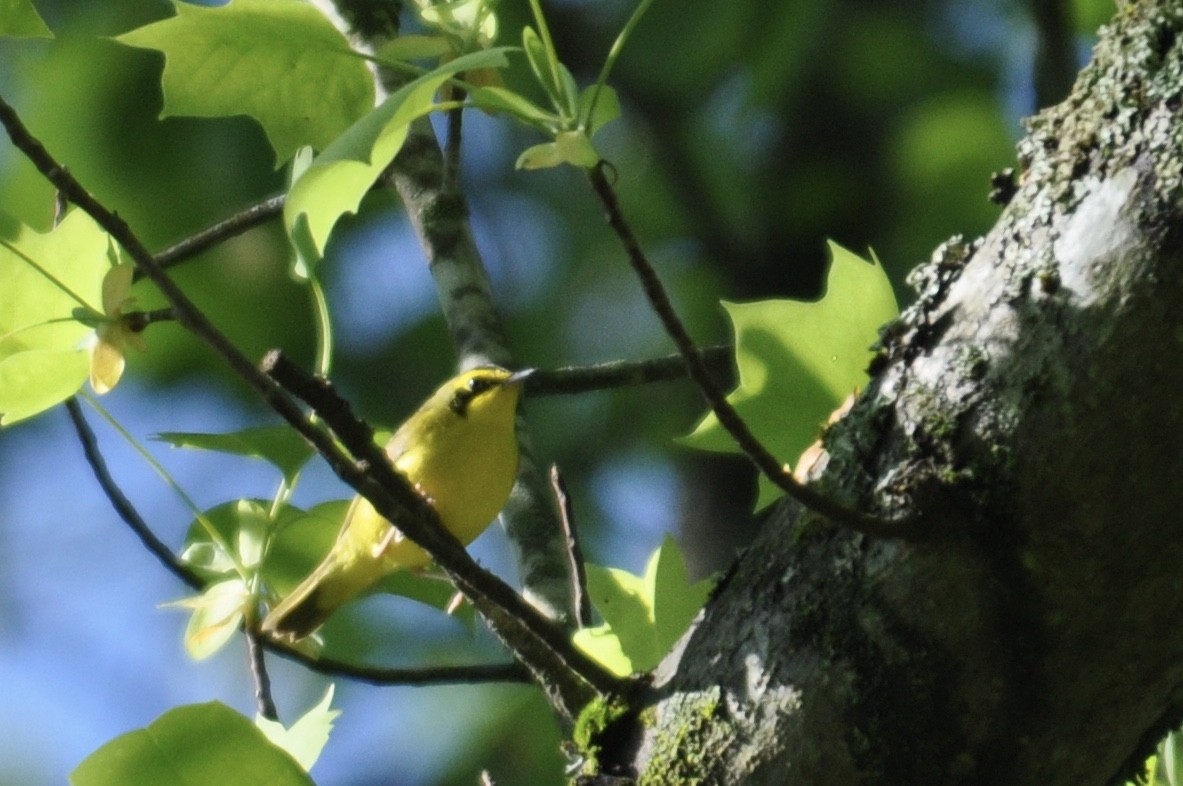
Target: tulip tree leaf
(644,616)
(280,61)
(50,279)
(196,743)
(278,445)
(338,178)
(799,361)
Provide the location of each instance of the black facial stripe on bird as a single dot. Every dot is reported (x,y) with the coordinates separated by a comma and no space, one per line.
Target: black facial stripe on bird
(464,396)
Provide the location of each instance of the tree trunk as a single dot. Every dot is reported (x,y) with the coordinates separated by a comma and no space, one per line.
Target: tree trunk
(1027,419)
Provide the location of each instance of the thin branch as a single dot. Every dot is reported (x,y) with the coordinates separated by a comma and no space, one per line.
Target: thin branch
(122,504)
(569,676)
(628,373)
(579,596)
(418,676)
(254,649)
(696,367)
(250,218)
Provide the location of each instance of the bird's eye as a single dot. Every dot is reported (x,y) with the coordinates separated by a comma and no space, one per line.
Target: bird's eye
(478,385)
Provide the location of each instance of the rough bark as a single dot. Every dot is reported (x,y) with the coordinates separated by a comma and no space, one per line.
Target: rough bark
(1027,417)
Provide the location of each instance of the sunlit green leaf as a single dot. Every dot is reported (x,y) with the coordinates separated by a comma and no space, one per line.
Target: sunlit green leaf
(217,614)
(19,19)
(466,20)
(798,361)
(278,445)
(32,382)
(340,176)
(49,281)
(243,525)
(279,61)
(306,738)
(604,646)
(197,743)
(644,616)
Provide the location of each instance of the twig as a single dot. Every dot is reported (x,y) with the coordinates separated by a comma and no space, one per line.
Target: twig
(627,373)
(697,369)
(569,676)
(122,504)
(579,596)
(254,649)
(418,676)
(193,245)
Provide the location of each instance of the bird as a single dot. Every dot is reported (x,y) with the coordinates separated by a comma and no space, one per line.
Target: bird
(459,451)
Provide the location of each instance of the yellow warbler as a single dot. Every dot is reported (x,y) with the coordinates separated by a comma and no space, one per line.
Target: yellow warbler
(459,451)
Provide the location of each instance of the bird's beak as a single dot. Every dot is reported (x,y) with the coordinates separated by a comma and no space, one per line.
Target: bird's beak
(518,377)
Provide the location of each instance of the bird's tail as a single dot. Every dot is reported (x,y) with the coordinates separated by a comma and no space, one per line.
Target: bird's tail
(312,602)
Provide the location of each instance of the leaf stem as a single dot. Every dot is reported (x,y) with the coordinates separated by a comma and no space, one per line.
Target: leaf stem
(614,53)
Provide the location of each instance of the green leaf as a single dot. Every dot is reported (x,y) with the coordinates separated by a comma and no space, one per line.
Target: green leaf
(50,280)
(469,21)
(338,178)
(569,147)
(798,361)
(604,646)
(568,92)
(279,61)
(32,382)
(278,445)
(500,99)
(414,47)
(197,743)
(218,613)
(540,63)
(19,19)
(606,110)
(306,738)
(300,542)
(242,524)
(644,616)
